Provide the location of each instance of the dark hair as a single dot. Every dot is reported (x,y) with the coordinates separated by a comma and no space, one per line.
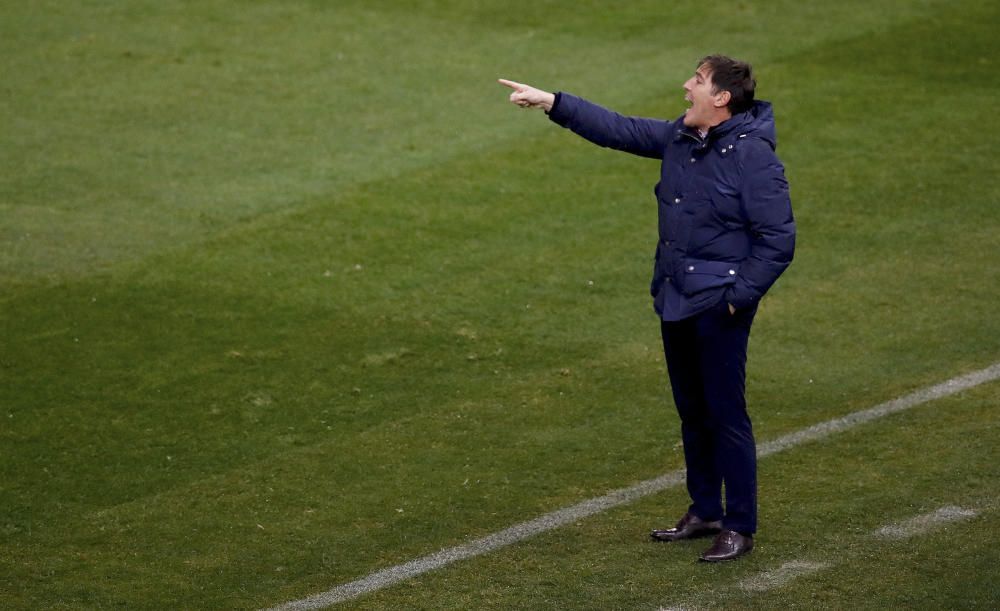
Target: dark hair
(733,76)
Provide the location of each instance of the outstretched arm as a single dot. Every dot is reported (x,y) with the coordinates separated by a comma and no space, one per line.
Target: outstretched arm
(636,135)
(527,96)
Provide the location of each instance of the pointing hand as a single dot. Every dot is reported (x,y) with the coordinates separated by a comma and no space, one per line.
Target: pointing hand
(527,96)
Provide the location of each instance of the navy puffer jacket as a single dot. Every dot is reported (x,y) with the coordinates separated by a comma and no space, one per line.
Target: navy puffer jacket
(726,230)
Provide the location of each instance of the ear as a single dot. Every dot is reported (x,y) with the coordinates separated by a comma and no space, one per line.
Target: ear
(722,99)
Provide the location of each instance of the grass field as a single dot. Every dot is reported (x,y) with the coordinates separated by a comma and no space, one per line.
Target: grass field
(289,294)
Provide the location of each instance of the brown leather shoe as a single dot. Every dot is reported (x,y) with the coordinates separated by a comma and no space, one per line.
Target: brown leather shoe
(728,545)
(689,527)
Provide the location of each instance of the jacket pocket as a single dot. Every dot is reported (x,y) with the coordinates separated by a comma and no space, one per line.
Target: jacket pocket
(700,275)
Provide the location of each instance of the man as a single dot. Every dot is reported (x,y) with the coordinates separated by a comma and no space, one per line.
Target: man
(726,233)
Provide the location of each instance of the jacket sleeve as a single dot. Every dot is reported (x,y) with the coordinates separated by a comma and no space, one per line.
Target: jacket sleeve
(643,137)
(768,210)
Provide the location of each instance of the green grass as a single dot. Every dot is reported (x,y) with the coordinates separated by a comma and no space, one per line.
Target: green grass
(823,501)
(291,294)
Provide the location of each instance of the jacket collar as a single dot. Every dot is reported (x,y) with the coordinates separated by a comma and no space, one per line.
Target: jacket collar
(728,126)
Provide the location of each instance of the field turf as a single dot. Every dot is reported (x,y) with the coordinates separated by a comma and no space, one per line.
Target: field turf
(290,293)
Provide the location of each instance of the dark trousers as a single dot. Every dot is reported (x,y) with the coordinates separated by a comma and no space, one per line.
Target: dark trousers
(706,358)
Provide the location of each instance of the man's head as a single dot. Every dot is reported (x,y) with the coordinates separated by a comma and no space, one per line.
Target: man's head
(721,87)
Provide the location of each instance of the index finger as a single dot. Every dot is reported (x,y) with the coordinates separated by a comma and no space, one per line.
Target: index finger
(511,84)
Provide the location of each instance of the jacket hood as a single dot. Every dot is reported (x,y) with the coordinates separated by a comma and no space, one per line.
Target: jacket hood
(758,122)
(762,124)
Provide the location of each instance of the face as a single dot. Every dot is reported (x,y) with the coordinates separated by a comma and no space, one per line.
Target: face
(707,108)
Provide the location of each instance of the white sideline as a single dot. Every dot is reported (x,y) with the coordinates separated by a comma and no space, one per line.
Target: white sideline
(925,522)
(395,574)
(781,576)
(778,577)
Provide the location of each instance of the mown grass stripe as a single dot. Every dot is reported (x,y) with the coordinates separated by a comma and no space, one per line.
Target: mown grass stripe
(392,575)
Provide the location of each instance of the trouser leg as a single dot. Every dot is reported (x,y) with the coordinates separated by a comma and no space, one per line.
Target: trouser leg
(722,353)
(706,360)
(704,483)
